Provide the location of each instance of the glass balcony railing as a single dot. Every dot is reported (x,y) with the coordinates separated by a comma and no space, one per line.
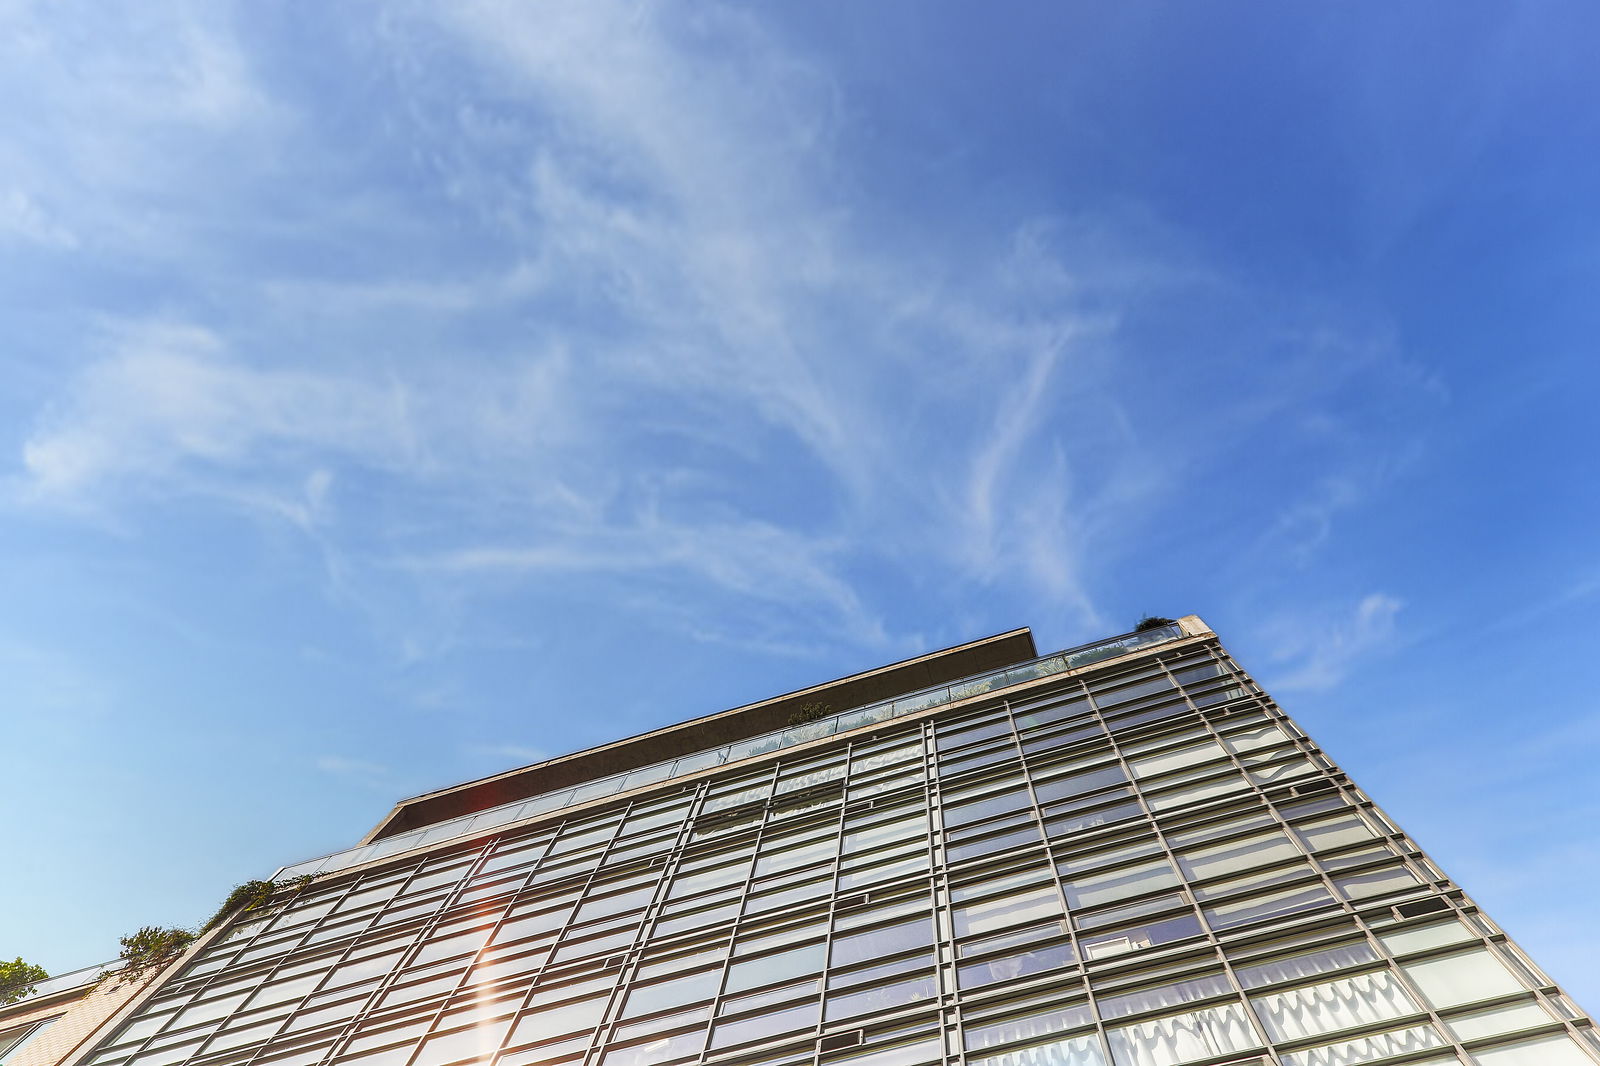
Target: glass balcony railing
(63,982)
(1045,666)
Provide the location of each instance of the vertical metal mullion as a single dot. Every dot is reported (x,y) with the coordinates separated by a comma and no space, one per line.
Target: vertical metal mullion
(432,923)
(611,1013)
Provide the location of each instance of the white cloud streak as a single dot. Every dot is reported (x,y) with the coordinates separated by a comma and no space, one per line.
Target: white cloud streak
(679,354)
(1317,653)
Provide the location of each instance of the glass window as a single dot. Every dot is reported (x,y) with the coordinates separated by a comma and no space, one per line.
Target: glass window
(1349,860)
(992,914)
(861,788)
(973,731)
(1044,742)
(663,1049)
(499,966)
(898,829)
(771,969)
(1202,1034)
(1040,1023)
(1167,995)
(1092,889)
(1463,977)
(727,800)
(1176,759)
(1036,958)
(991,845)
(876,757)
(1247,882)
(1540,1051)
(860,875)
(1265,736)
(1410,938)
(683,919)
(1137,937)
(767,998)
(1071,1051)
(659,964)
(764,1025)
(881,998)
(1306,964)
(1368,1049)
(1217,860)
(479,1041)
(1198,793)
(917,1052)
(850,916)
(1193,836)
(1065,824)
(881,943)
(1496,1020)
(990,806)
(804,852)
(975,758)
(1361,999)
(1323,834)
(1271,775)
(1123,721)
(1188,674)
(1376,882)
(558,1020)
(785,892)
(1014,938)
(1154,686)
(812,774)
(1123,852)
(616,903)
(1266,905)
(674,992)
(1169,738)
(963,891)
(1034,714)
(1077,784)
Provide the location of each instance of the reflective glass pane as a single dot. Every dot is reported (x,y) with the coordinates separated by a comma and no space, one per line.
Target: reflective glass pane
(1464,977)
(1556,1050)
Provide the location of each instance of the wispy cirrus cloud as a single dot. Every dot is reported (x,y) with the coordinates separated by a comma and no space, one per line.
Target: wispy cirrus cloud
(1317,652)
(363,772)
(675,352)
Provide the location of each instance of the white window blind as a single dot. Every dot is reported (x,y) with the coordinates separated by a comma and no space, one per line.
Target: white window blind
(1201,1034)
(1373,1048)
(1074,1051)
(1361,999)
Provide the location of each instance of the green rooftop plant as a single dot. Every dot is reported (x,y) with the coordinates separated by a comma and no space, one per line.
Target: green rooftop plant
(254,896)
(148,951)
(811,711)
(152,948)
(1151,621)
(17,979)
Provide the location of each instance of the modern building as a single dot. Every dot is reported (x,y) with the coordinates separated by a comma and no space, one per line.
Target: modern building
(1119,855)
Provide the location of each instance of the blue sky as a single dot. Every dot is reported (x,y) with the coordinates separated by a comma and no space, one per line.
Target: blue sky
(391,395)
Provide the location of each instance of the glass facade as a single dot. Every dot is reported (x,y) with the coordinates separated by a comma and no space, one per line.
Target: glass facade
(1141,863)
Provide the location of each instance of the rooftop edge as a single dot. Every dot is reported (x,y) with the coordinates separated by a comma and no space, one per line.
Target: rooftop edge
(752,719)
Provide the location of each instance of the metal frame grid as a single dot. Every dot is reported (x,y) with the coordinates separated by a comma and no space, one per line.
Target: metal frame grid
(1058,872)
